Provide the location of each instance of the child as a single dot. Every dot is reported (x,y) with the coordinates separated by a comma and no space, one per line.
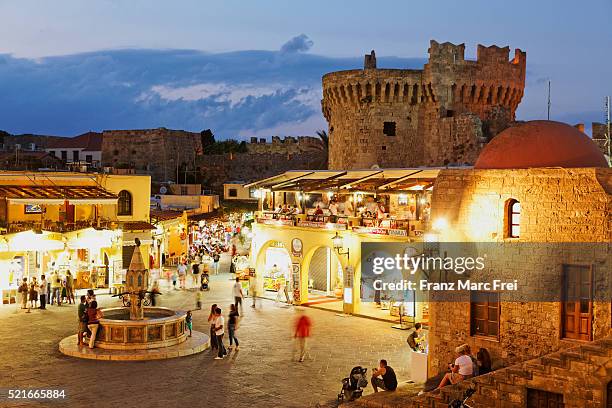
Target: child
(199,300)
(189,320)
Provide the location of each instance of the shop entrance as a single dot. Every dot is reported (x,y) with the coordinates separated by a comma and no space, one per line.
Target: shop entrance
(276,271)
(325,279)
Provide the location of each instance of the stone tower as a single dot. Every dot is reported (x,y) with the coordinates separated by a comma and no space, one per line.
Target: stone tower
(440,115)
(137,282)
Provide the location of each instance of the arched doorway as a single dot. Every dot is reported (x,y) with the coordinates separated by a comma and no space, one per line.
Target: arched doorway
(325,278)
(273,267)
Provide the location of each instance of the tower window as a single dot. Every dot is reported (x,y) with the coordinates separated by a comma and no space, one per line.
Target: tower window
(389,128)
(384,147)
(514,218)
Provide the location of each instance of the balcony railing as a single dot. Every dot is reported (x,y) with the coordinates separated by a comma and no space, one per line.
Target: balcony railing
(362,225)
(57,226)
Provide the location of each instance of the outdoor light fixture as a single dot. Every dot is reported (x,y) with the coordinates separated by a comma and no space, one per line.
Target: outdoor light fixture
(338,243)
(402,199)
(330,195)
(440,224)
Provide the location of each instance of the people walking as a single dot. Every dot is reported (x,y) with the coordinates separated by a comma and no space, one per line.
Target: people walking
(238,295)
(219,332)
(232,326)
(43,291)
(70,287)
(216,259)
(82,316)
(303,325)
(254,290)
(93,321)
(23,291)
(182,271)
(211,320)
(56,289)
(189,322)
(33,293)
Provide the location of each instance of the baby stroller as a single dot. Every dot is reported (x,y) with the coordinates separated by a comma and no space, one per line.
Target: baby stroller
(204,281)
(353,385)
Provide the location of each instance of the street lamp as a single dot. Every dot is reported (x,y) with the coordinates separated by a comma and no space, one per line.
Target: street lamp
(338,243)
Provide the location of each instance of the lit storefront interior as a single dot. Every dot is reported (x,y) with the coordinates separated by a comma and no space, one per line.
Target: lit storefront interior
(311,224)
(60,222)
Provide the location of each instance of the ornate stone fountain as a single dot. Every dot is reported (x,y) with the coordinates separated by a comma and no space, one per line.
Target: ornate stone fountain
(139,333)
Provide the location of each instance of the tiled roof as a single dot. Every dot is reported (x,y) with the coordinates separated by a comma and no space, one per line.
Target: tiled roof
(205,216)
(90,141)
(137,226)
(164,215)
(56,192)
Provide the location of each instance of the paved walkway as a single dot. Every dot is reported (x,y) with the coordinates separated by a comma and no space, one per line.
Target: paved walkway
(261,374)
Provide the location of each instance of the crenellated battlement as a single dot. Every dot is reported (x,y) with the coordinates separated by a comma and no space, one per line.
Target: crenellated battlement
(415,103)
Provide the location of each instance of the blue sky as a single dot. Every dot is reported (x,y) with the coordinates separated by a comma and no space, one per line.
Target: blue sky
(70,66)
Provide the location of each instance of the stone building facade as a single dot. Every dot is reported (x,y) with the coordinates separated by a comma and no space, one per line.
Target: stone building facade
(440,115)
(162,153)
(557,206)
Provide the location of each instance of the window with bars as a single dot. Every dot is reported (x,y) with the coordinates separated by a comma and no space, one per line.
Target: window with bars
(513,218)
(484,314)
(124,204)
(544,399)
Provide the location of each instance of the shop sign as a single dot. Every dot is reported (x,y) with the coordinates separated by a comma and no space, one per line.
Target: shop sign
(322,225)
(297,247)
(380,231)
(295,270)
(267,221)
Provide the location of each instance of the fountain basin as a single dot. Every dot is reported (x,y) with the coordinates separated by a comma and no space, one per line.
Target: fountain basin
(161,327)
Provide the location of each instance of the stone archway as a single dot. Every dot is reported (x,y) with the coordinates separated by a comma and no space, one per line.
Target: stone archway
(322,273)
(272,261)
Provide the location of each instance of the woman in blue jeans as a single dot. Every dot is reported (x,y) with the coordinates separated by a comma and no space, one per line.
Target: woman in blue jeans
(233,325)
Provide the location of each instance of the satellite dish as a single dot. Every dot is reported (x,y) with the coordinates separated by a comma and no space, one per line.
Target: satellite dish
(163,190)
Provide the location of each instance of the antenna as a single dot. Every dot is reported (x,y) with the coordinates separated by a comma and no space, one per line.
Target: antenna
(548,115)
(608,135)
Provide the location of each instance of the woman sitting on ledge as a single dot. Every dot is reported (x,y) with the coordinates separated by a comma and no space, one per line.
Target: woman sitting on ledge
(462,369)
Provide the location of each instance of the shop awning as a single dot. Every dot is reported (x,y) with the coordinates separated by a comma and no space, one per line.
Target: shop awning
(90,238)
(57,194)
(32,241)
(371,180)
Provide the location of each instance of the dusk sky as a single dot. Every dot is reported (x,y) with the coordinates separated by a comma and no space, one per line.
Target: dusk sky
(247,68)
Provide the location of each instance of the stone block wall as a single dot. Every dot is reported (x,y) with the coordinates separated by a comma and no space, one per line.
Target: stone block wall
(217,169)
(156,151)
(557,205)
(287,145)
(431,110)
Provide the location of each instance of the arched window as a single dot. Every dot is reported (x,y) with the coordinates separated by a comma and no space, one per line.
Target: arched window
(513,218)
(124,205)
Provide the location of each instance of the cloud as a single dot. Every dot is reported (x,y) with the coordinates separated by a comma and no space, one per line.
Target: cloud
(235,94)
(300,43)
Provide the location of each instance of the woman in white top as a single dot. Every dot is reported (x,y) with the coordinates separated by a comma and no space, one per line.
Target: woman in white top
(462,369)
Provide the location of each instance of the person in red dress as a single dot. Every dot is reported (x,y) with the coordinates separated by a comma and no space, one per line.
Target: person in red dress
(303,325)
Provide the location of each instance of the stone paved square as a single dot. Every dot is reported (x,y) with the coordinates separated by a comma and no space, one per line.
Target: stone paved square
(261,374)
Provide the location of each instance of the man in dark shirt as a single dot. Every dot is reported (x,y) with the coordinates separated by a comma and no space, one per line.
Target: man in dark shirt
(388,382)
(412,337)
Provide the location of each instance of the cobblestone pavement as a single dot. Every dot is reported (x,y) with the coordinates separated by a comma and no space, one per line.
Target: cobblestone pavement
(261,374)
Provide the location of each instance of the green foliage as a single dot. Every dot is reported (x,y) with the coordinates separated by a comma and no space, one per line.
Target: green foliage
(226,146)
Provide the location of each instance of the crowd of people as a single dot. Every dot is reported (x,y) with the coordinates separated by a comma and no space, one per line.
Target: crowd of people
(37,293)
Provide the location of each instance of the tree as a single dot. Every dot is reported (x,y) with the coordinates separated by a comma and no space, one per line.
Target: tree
(208,139)
(324,138)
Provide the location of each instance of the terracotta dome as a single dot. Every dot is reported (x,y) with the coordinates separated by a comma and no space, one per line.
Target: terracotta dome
(540,143)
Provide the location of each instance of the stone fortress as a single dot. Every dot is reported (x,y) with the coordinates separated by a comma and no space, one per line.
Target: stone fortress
(441,115)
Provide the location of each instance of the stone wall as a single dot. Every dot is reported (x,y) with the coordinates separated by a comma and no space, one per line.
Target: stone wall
(581,375)
(409,118)
(216,169)
(557,205)
(156,151)
(287,145)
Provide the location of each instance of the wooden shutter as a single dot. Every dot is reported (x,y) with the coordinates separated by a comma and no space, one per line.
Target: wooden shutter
(577,309)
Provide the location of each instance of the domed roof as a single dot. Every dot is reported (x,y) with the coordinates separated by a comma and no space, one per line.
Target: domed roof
(540,143)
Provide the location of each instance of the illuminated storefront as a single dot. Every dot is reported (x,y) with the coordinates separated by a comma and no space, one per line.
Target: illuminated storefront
(311,225)
(60,222)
